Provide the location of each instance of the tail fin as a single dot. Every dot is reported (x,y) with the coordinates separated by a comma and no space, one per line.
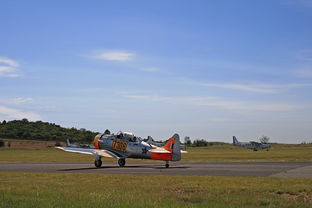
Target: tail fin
(235,141)
(173,145)
(150,140)
(68,143)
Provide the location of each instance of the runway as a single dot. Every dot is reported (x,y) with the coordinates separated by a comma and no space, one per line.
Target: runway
(265,169)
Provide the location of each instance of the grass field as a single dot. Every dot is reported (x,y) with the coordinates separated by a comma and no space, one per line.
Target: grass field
(92,190)
(214,153)
(18,189)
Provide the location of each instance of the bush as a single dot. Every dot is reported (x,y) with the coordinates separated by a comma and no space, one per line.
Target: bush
(1,143)
(58,144)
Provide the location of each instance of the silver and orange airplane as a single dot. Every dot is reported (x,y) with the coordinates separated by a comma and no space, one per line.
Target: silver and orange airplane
(125,145)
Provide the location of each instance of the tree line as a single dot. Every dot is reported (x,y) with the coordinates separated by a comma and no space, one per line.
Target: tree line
(39,130)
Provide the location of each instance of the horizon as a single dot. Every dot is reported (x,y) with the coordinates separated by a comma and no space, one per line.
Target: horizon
(159,140)
(201,69)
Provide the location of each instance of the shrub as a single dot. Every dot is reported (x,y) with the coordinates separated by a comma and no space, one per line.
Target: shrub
(1,143)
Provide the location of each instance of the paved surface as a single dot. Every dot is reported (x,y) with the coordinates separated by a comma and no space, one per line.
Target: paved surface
(276,169)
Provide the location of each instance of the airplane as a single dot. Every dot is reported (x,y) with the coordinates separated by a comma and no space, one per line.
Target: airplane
(255,146)
(78,145)
(151,141)
(125,145)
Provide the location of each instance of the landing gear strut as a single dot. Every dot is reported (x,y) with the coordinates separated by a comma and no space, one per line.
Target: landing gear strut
(167,164)
(121,162)
(98,163)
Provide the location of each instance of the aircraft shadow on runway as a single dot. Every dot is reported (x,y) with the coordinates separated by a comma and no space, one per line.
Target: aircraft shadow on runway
(126,167)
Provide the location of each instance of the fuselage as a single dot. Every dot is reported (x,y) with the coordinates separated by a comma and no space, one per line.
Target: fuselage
(129,146)
(253,146)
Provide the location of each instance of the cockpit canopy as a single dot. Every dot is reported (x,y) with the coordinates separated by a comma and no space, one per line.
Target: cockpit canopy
(128,136)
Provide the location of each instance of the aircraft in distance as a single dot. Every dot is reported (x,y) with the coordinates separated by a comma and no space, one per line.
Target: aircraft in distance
(78,145)
(152,142)
(255,146)
(125,145)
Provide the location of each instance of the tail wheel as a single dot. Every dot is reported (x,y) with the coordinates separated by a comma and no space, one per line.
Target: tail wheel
(121,162)
(98,163)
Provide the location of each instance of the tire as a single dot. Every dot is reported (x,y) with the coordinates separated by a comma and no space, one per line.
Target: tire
(98,163)
(121,162)
(167,165)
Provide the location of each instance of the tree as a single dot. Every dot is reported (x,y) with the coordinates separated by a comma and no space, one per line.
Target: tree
(107,131)
(200,143)
(264,139)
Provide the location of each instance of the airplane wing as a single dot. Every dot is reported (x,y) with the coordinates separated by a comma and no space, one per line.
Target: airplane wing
(100,152)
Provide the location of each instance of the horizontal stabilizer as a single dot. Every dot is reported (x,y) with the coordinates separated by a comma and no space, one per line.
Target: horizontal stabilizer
(159,151)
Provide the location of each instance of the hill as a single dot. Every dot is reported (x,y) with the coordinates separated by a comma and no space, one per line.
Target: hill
(39,130)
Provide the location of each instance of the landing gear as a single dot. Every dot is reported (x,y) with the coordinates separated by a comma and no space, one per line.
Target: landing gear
(98,163)
(121,162)
(167,164)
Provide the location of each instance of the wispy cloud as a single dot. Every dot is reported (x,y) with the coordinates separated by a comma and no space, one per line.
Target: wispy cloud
(307,3)
(120,56)
(257,88)
(12,113)
(8,67)
(151,69)
(15,101)
(304,73)
(215,102)
(305,54)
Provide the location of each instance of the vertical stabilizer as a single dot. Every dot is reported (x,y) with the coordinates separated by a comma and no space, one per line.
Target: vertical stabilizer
(173,145)
(235,141)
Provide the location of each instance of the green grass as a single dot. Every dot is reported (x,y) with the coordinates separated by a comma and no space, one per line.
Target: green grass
(230,153)
(213,153)
(94,190)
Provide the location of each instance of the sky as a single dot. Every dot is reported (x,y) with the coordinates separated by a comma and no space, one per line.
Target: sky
(205,69)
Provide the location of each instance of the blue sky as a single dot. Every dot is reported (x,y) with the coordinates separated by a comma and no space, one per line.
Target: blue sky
(204,69)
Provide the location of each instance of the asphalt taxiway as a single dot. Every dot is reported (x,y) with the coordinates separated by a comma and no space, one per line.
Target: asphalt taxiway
(275,169)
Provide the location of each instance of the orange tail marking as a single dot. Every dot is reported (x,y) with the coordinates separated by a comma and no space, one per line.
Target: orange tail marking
(169,144)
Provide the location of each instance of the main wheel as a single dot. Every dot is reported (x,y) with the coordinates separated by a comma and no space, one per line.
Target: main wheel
(98,163)
(167,165)
(121,162)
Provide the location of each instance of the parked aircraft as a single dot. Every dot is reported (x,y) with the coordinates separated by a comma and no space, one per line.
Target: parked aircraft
(152,142)
(125,145)
(255,146)
(78,145)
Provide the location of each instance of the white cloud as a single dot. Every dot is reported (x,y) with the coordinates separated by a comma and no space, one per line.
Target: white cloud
(8,67)
(12,113)
(258,88)
(114,56)
(217,103)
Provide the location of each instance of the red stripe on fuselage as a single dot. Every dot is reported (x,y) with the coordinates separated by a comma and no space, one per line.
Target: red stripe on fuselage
(161,156)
